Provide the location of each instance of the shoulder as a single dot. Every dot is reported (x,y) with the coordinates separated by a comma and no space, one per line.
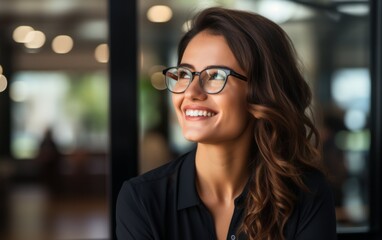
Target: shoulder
(316,181)
(318,191)
(154,181)
(162,172)
(147,205)
(141,203)
(314,213)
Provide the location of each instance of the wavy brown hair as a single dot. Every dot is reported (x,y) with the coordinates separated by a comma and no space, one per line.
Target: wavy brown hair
(287,142)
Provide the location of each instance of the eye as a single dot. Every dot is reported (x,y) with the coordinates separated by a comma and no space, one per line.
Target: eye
(183,74)
(216,74)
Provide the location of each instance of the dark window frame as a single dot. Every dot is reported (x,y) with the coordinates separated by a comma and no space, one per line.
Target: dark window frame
(123,103)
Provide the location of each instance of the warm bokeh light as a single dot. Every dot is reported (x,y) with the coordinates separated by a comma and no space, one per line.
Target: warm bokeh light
(3,83)
(20,33)
(35,39)
(101,53)
(157,77)
(159,13)
(62,44)
(156,68)
(1,69)
(157,80)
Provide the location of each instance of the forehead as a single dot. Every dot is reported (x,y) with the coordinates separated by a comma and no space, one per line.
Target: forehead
(206,49)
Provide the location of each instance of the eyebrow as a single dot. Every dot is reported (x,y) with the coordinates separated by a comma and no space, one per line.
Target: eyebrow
(186,65)
(190,66)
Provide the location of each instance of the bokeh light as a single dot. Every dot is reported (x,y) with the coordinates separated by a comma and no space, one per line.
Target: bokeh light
(101,53)
(62,44)
(159,13)
(157,80)
(20,33)
(35,39)
(355,119)
(3,83)
(186,26)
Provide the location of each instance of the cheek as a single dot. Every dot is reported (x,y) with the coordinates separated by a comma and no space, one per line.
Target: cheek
(176,104)
(236,111)
(175,101)
(236,101)
(238,118)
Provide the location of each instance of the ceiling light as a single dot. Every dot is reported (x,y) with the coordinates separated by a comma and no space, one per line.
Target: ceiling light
(278,11)
(3,83)
(20,33)
(35,39)
(186,26)
(354,9)
(62,44)
(101,53)
(159,14)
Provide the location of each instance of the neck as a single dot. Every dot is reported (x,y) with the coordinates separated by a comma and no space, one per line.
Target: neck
(222,171)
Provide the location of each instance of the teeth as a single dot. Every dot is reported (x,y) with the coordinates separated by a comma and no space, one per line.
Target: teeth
(196,113)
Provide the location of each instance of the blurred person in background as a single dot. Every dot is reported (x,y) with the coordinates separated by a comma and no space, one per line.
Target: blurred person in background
(255,173)
(49,161)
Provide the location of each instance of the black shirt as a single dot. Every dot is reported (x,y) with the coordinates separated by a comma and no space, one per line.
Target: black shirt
(164,204)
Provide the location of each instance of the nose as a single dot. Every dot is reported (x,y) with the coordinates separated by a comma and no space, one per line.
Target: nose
(194,90)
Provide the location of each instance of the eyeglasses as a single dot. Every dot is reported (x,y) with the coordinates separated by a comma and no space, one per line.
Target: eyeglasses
(212,79)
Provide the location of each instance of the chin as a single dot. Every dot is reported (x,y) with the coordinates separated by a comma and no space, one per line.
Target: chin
(200,139)
(193,136)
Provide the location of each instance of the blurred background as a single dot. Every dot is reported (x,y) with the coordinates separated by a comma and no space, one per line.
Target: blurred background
(54,104)
(53,119)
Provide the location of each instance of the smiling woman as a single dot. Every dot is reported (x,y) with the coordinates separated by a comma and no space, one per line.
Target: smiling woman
(229,107)
(255,173)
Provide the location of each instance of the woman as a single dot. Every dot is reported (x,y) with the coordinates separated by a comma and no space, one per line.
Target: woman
(239,95)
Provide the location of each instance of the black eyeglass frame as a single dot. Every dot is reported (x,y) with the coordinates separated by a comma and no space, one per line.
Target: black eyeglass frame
(228,72)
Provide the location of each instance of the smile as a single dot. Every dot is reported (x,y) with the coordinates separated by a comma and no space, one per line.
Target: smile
(199,113)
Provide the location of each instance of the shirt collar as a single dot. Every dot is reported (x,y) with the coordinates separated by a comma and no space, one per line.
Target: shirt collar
(187,194)
(240,200)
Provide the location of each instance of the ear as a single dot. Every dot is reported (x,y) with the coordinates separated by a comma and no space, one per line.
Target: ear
(252,110)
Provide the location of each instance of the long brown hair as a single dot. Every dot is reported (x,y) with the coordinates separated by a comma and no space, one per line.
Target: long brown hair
(287,142)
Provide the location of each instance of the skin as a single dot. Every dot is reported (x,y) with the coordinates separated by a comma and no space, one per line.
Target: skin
(224,139)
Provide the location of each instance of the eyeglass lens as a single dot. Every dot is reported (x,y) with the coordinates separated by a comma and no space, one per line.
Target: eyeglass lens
(211,80)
